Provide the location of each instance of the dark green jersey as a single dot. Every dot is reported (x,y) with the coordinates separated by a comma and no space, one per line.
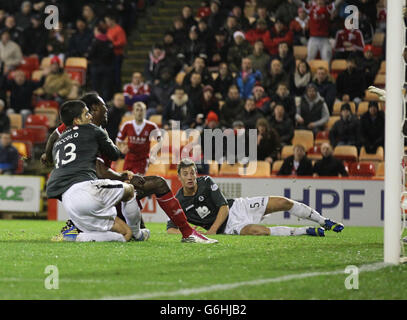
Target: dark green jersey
(74,155)
(202,208)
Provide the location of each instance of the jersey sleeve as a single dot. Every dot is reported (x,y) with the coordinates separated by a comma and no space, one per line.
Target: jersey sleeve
(122,133)
(60,130)
(106,146)
(217,196)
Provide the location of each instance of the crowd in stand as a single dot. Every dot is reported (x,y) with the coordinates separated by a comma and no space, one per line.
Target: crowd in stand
(220,66)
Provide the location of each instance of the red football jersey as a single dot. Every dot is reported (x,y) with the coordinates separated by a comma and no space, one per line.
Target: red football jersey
(320,19)
(138,139)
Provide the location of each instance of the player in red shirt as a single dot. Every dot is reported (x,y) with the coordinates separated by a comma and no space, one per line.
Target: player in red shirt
(320,16)
(137,132)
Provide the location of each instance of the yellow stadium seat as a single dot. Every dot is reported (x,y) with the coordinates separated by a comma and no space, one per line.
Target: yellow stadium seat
(303,137)
(287,151)
(382,69)
(126,118)
(316,63)
(375,157)
(230,169)
(157,119)
(16,121)
(300,52)
(276,166)
(380,80)
(258,169)
(78,62)
(378,39)
(362,107)
(331,122)
(346,153)
(21,148)
(380,169)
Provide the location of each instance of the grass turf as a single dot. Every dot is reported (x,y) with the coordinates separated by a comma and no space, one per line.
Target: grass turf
(163,266)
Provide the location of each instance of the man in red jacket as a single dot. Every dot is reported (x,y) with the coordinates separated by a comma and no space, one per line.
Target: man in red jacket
(117,36)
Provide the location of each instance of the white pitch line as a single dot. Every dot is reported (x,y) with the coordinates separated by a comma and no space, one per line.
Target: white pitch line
(229,286)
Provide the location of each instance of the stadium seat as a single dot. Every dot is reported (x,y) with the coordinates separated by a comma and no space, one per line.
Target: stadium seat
(314,153)
(46,62)
(303,137)
(382,69)
(300,52)
(378,39)
(276,166)
(229,169)
(30,63)
(47,104)
(337,66)
(258,169)
(157,119)
(316,63)
(125,119)
(159,169)
(380,169)
(213,168)
(37,120)
(331,122)
(76,68)
(362,169)
(321,137)
(287,151)
(11,74)
(336,111)
(346,153)
(380,81)
(50,113)
(362,108)
(36,75)
(36,135)
(16,120)
(376,157)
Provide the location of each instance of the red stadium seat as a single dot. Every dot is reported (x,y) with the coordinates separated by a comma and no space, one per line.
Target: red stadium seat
(314,153)
(29,64)
(37,120)
(47,104)
(35,135)
(76,68)
(362,169)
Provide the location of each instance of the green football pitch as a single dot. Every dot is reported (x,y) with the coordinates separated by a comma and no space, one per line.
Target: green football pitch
(237,268)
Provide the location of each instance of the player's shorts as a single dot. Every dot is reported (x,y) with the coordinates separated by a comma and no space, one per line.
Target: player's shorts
(245,211)
(91,204)
(139,167)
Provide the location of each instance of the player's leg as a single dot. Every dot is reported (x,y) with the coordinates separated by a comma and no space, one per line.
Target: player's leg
(259,230)
(302,211)
(119,226)
(107,236)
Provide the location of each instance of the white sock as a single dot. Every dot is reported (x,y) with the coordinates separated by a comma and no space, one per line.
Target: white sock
(100,236)
(132,215)
(305,212)
(287,231)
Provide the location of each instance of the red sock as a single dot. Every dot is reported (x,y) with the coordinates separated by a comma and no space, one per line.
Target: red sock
(172,208)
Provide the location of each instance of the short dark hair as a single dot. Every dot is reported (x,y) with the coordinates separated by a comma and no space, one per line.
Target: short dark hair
(91,99)
(70,110)
(186,163)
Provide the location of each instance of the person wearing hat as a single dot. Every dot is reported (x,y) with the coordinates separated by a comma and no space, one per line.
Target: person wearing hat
(369,64)
(372,125)
(345,131)
(239,49)
(210,103)
(312,112)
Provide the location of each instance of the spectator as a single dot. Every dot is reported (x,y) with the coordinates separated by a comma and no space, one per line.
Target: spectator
(216,18)
(218,52)
(233,106)
(301,78)
(10,53)
(169,46)
(209,102)
(205,34)
(329,166)
(80,40)
(275,76)
(161,93)
(88,13)
(260,32)
(348,41)
(286,56)
(117,36)
(4,119)
(179,31)
(296,165)
(320,19)
(136,90)
(187,16)
(199,66)
(2,18)
(192,48)
(204,11)
(57,44)
(287,11)
(8,155)
(223,81)
(35,38)
(369,65)
(238,50)
(58,84)
(249,114)
(346,130)
(115,114)
(286,99)
(279,33)
(351,83)
(21,92)
(300,28)
(101,57)
(261,100)
(312,113)
(259,58)
(372,126)
(158,60)
(177,109)
(262,14)
(242,22)
(16,31)
(282,124)
(211,123)
(241,145)
(326,87)
(268,141)
(194,92)
(247,78)
(23,17)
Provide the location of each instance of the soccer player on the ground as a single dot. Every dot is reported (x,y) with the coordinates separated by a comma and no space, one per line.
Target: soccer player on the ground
(205,206)
(145,186)
(137,148)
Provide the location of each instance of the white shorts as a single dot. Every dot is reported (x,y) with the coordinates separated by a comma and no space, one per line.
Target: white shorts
(91,204)
(245,211)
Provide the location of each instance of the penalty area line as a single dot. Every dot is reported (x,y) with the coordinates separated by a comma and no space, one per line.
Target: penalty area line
(230,286)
